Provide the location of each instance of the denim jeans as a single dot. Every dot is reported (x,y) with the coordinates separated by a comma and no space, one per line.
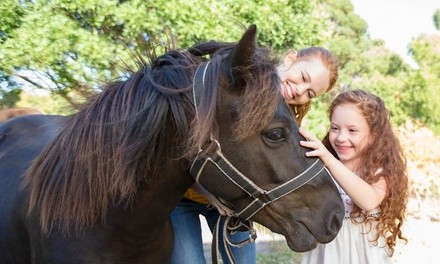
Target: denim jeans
(188,243)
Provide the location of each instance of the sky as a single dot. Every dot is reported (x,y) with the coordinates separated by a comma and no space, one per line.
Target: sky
(397,22)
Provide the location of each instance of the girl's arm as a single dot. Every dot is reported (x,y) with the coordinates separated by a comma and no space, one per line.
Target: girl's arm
(366,196)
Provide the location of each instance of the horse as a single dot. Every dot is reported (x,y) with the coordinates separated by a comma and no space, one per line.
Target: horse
(98,186)
(9,113)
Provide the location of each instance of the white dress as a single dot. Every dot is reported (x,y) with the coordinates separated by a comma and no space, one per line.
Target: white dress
(352,244)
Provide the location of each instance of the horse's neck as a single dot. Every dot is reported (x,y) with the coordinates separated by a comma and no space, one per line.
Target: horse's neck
(156,199)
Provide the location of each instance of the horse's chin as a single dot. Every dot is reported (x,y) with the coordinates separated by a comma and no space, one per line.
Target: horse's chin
(300,246)
(301,240)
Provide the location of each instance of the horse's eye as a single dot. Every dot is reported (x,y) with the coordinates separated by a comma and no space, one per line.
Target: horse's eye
(275,134)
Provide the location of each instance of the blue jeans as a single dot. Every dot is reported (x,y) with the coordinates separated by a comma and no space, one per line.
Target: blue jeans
(188,243)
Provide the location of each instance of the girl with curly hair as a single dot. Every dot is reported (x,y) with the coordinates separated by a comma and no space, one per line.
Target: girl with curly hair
(366,160)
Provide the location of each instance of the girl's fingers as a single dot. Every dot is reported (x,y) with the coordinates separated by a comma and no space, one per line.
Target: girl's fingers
(309,144)
(305,143)
(315,148)
(313,153)
(302,132)
(309,136)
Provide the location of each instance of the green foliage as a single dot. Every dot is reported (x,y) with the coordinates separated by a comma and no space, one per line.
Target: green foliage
(422,90)
(11,16)
(74,46)
(10,94)
(281,23)
(8,99)
(366,64)
(347,30)
(436,19)
(425,50)
(422,101)
(10,19)
(317,120)
(48,104)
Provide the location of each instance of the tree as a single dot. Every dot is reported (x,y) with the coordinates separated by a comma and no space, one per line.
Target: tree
(422,95)
(9,95)
(10,19)
(365,63)
(436,19)
(70,47)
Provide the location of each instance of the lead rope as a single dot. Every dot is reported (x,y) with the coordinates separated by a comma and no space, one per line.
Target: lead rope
(230,225)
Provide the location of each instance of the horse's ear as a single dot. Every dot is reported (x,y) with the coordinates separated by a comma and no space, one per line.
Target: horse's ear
(241,56)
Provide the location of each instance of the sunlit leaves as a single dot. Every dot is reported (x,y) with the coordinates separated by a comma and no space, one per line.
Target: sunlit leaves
(67,46)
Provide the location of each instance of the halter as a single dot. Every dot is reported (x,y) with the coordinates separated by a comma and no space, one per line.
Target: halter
(261,197)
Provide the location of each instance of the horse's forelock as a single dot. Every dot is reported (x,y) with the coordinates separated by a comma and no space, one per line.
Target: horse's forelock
(260,97)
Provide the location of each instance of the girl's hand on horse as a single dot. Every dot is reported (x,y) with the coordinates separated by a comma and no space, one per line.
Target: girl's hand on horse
(318,149)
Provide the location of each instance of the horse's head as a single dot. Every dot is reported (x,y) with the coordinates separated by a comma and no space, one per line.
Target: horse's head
(254,160)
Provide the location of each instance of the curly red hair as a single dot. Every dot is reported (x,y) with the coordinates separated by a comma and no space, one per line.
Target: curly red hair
(384,154)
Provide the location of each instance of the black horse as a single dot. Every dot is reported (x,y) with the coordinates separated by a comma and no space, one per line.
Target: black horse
(99,186)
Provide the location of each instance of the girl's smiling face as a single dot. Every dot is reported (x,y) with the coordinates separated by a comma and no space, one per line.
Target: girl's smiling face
(349,134)
(303,79)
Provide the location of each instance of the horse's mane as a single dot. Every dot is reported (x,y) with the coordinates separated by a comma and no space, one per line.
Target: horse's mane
(120,137)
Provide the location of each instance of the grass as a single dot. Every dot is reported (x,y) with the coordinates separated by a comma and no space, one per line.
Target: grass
(276,252)
(268,252)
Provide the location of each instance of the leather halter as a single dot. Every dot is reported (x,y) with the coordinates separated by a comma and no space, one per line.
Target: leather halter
(261,197)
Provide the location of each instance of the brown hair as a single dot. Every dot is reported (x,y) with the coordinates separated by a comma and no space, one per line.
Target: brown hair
(329,61)
(384,154)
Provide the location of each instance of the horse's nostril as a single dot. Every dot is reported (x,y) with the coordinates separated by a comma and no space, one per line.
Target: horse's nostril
(335,222)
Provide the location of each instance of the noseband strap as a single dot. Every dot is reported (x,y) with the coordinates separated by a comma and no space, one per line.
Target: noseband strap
(261,197)
(223,164)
